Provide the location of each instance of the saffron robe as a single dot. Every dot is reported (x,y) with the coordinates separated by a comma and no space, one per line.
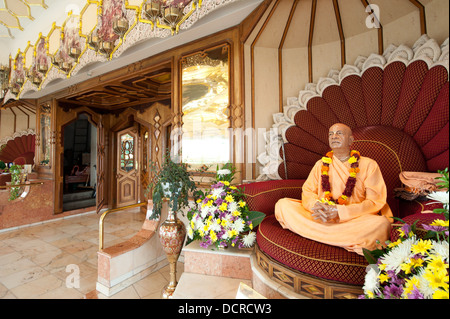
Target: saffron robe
(365,218)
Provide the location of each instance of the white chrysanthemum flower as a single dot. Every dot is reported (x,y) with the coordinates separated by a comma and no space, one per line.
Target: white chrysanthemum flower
(424,285)
(399,255)
(441,197)
(204,212)
(215,193)
(371,283)
(190,233)
(249,239)
(223,172)
(215,227)
(441,248)
(199,224)
(233,206)
(239,225)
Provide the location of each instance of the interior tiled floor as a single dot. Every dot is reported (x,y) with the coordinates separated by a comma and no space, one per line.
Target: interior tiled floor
(38,261)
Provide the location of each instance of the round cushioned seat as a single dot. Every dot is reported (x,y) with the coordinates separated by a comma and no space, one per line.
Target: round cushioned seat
(317,259)
(310,257)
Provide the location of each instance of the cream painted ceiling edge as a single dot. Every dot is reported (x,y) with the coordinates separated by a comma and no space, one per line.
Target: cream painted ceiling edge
(424,49)
(137,32)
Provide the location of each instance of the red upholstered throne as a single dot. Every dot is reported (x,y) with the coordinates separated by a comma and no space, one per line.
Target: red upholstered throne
(19,150)
(398,109)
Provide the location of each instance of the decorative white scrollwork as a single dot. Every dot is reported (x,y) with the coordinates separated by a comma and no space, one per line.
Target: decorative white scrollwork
(425,49)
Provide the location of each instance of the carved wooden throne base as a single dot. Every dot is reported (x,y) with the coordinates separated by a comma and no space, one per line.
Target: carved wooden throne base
(304,284)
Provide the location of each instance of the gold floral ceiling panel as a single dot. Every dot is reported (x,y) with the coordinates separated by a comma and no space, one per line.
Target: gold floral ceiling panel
(101,31)
(12,10)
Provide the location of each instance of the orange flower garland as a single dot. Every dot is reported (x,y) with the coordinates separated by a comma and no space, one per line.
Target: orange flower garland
(351,181)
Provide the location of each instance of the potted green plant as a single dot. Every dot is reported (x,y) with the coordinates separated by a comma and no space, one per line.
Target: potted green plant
(172,182)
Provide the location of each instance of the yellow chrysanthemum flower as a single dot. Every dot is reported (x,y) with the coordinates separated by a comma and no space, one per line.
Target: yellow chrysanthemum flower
(383,278)
(440,294)
(233,187)
(436,264)
(225,183)
(440,222)
(229,198)
(232,233)
(406,267)
(223,206)
(436,279)
(213,236)
(327,160)
(401,232)
(409,285)
(236,213)
(417,262)
(242,204)
(422,247)
(395,243)
(352,160)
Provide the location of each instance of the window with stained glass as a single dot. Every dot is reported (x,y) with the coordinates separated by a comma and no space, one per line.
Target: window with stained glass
(127,158)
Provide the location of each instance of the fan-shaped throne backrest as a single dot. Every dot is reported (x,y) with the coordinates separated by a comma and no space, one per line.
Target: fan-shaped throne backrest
(399,114)
(19,149)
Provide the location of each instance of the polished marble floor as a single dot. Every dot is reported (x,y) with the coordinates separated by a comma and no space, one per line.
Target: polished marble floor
(41,261)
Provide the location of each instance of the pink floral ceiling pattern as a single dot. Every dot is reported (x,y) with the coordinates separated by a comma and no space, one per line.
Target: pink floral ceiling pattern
(120,25)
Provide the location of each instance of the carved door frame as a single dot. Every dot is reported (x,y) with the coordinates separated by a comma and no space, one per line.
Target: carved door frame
(96,120)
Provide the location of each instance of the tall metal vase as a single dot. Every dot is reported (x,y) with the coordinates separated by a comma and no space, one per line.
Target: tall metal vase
(172,233)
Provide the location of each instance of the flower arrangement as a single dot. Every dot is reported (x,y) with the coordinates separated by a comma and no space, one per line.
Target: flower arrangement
(221,217)
(413,267)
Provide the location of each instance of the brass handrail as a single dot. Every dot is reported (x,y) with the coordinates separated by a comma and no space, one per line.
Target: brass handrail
(113,210)
(20,185)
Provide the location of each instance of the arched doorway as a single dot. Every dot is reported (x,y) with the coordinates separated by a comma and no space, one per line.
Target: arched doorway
(80,164)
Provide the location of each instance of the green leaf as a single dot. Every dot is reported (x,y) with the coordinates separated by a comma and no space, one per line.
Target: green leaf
(256,217)
(371,259)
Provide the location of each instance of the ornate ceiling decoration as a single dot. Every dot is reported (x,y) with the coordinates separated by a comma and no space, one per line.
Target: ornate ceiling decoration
(102,31)
(12,11)
(139,92)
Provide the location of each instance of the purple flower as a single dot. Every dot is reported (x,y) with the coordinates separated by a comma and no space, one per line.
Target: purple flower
(204,244)
(434,228)
(416,294)
(392,292)
(394,280)
(406,228)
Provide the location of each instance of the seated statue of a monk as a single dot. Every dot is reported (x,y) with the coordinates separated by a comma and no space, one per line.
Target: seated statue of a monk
(343,199)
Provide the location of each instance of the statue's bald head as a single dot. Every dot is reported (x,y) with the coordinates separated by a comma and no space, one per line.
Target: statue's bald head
(340,136)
